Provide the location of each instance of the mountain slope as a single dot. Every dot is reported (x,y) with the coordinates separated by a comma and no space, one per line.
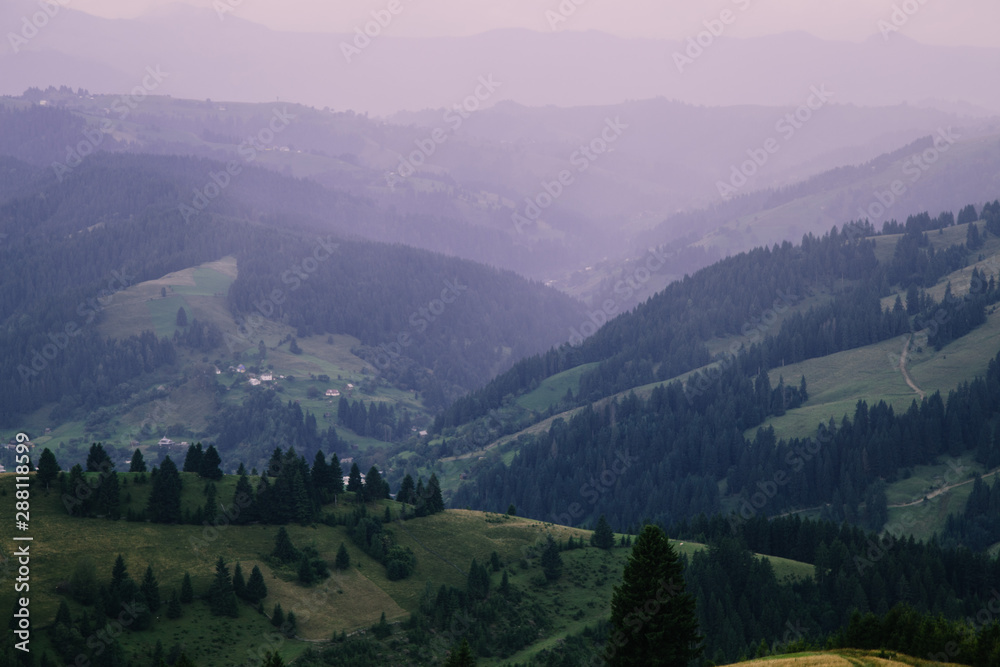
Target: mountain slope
(116,221)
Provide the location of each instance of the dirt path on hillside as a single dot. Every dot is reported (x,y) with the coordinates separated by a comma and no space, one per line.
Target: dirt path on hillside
(902,367)
(944,489)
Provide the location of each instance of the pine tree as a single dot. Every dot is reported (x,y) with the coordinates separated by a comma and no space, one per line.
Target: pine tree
(374,487)
(354,484)
(138,463)
(211,504)
(193,458)
(284,550)
(495,561)
(478,581)
(150,589)
(435,503)
(182,318)
(551,560)
(305,573)
(320,476)
(165,497)
(211,463)
(290,626)
(653,581)
(278,616)
(221,597)
(98,459)
(406,490)
(108,501)
(239,583)
(244,500)
(343,558)
(187,592)
(256,588)
(603,538)
(336,476)
(174,605)
(420,498)
(48,468)
(119,574)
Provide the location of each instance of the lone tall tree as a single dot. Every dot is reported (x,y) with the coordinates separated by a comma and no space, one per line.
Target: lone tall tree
(653,619)
(138,463)
(354,482)
(603,538)
(48,468)
(164,504)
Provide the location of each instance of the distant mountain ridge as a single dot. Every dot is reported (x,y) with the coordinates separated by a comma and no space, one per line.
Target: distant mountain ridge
(78,49)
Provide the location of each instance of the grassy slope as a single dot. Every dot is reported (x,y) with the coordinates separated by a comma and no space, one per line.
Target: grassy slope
(838,381)
(552,389)
(347,601)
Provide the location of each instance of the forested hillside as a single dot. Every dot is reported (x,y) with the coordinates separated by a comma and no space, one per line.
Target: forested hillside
(72,243)
(689,446)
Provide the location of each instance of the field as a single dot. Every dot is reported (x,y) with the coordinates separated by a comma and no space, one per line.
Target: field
(347,601)
(837,382)
(553,389)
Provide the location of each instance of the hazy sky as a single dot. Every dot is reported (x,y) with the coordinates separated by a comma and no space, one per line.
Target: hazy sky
(969,22)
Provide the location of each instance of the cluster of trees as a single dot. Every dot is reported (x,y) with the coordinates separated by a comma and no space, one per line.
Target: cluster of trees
(118,603)
(206,463)
(954,317)
(197,335)
(687,440)
(122,603)
(741,601)
(288,490)
(663,457)
(371,535)
(379,420)
(905,630)
(425,500)
(978,525)
(310,567)
(251,429)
